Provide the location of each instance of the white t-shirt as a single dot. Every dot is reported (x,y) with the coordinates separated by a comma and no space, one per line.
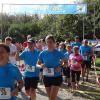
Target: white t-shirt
(13,49)
(44,47)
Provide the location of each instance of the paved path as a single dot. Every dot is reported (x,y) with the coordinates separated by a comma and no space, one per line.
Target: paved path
(88,91)
(64,94)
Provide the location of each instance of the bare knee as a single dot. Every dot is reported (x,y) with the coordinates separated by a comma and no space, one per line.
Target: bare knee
(27,92)
(52,97)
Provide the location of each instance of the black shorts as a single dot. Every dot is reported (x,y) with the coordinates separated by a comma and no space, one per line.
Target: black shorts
(52,81)
(66,72)
(86,64)
(31,82)
(75,75)
(41,70)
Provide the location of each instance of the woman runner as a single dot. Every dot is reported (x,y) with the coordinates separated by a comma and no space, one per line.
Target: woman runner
(51,61)
(75,61)
(8,75)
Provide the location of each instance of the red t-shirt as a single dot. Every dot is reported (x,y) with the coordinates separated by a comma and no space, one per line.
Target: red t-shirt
(25,44)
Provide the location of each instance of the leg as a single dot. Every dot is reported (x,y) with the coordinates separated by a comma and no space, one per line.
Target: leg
(78,78)
(54,92)
(88,67)
(34,84)
(83,71)
(47,82)
(33,94)
(27,92)
(68,76)
(48,90)
(27,86)
(73,79)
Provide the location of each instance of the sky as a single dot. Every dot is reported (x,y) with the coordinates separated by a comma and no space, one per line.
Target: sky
(8,8)
(38,1)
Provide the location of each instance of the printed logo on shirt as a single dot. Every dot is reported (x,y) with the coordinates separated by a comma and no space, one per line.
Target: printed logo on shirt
(5,93)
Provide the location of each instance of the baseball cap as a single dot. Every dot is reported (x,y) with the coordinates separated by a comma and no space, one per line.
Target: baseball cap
(76,37)
(31,40)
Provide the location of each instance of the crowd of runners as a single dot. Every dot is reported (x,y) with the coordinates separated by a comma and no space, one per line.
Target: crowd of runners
(44,60)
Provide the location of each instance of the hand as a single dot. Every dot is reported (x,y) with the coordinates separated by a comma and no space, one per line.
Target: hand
(15,92)
(43,66)
(58,69)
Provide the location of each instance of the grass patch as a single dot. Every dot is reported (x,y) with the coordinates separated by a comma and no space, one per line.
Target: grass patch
(98,65)
(98,62)
(98,72)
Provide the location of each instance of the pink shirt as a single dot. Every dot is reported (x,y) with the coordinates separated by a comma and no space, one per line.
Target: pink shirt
(74,62)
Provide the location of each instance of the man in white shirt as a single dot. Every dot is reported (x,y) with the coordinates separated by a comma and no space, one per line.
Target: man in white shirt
(13,49)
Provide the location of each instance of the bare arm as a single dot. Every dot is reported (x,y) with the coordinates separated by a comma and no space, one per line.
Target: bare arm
(40,64)
(96,41)
(17,56)
(18,88)
(64,62)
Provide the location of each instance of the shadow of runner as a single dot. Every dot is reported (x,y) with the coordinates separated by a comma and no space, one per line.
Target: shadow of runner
(86,91)
(41,92)
(24,97)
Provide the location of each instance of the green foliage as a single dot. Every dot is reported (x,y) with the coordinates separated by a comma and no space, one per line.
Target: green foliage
(61,26)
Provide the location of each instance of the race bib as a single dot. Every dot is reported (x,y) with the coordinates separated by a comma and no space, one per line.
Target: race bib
(85,58)
(74,62)
(30,68)
(48,71)
(5,93)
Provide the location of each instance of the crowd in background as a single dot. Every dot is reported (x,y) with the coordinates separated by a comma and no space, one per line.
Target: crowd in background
(46,60)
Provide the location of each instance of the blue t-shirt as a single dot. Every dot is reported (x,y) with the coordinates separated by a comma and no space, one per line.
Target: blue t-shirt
(63,51)
(85,50)
(76,44)
(8,75)
(67,54)
(51,59)
(30,58)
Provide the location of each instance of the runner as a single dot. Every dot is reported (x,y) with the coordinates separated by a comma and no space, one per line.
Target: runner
(8,75)
(25,43)
(62,47)
(31,74)
(50,60)
(8,41)
(75,61)
(66,71)
(94,53)
(77,42)
(57,45)
(39,45)
(86,52)
(44,46)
